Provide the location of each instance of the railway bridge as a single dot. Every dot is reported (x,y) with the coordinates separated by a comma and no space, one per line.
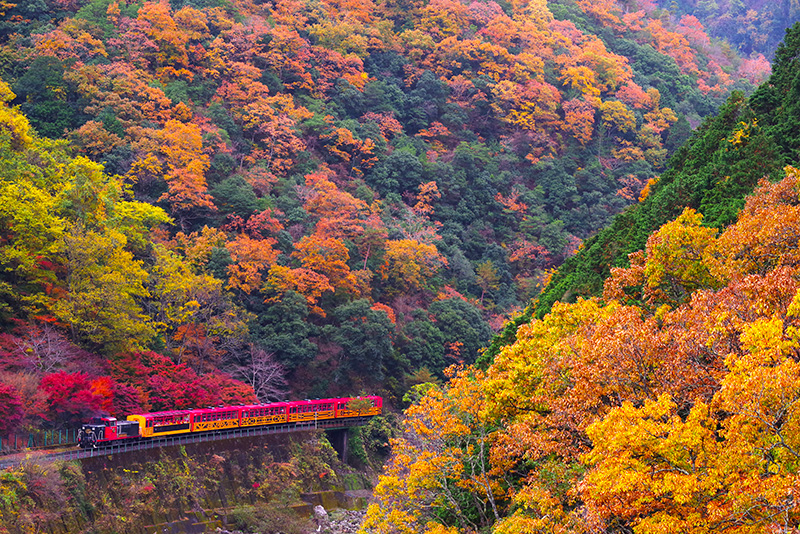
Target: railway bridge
(336,429)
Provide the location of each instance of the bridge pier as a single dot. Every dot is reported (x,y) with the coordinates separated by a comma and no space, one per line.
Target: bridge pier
(338,439)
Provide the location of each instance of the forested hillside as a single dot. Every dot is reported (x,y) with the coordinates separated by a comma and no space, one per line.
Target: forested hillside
(668,403)
(752,27)
(748,140)
(204,200)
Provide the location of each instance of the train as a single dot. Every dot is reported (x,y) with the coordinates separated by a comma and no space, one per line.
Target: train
(103,431)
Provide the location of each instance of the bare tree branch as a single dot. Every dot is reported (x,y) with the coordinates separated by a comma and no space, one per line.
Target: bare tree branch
(266,376)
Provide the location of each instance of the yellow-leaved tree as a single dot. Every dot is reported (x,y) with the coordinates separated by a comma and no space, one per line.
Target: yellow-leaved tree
(439,479)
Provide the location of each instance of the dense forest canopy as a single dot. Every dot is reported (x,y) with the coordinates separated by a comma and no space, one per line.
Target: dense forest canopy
(668,401)
(228,200)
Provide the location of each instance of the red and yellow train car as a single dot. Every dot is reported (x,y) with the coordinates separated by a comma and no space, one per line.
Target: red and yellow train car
(208,419)
(163,423)
(264,414)
(312,410)
(357,407)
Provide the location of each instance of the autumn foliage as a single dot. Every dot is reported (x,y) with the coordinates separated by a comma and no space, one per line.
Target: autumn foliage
(667,405)
(186,185)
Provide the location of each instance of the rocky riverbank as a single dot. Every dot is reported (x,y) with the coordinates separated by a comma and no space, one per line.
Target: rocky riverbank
(342,522)
(335,522)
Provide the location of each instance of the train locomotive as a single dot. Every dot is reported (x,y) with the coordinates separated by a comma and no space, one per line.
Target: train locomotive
(101,431)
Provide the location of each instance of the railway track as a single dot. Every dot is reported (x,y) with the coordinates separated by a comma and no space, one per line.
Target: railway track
(43,456)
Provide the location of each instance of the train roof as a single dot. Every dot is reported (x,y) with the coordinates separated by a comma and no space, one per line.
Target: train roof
(251,406)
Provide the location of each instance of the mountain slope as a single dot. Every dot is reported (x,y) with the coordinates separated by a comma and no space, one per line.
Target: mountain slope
(749,139)
(667,404)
